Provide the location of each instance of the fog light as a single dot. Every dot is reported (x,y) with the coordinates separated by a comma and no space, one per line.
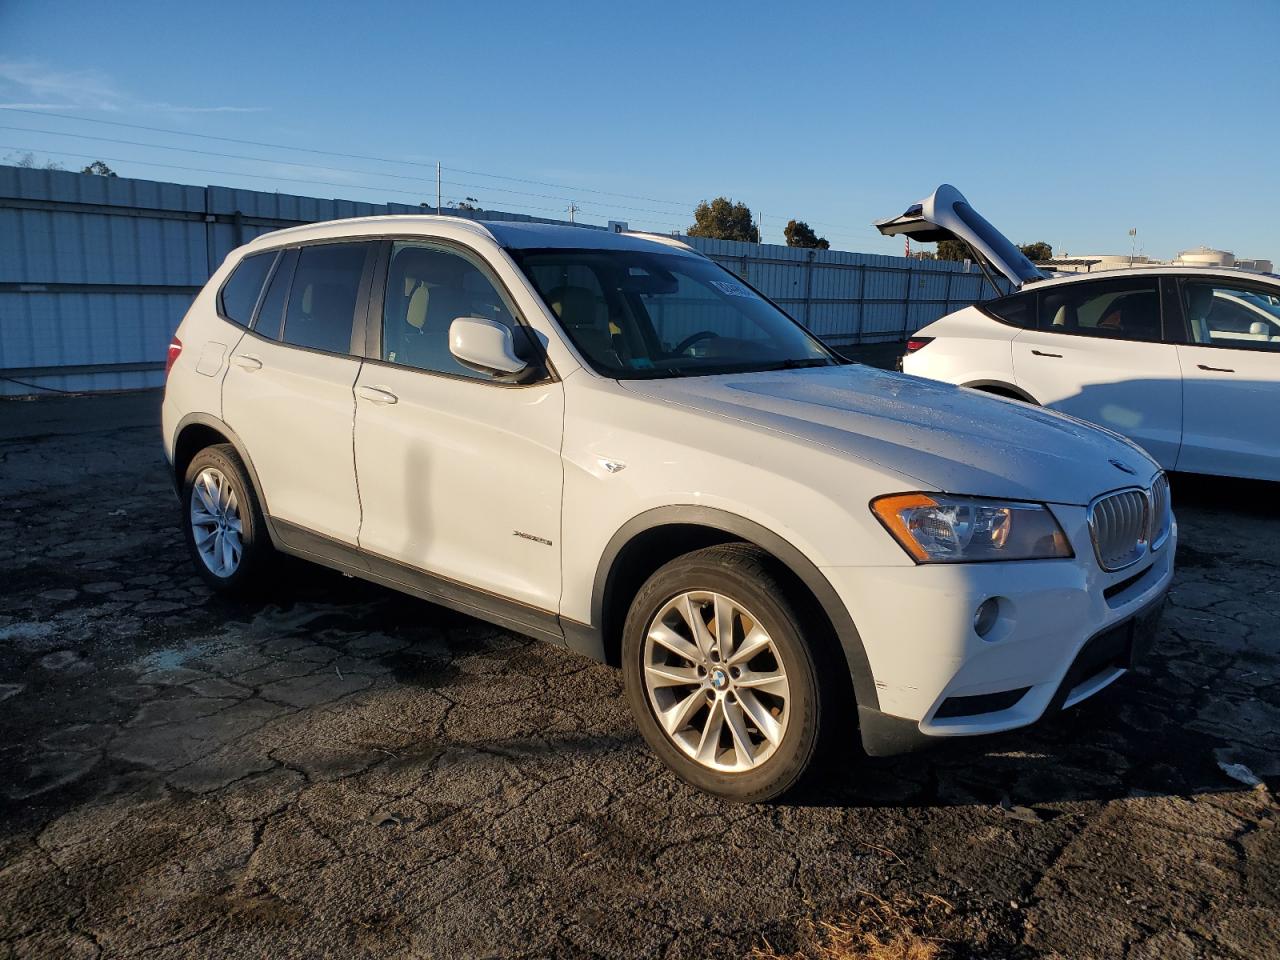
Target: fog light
(986,615)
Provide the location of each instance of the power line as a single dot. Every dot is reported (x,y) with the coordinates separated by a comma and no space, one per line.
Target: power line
(213,153)
(368,173)
(227,173)
(375,159)
(272,177)
(315,167)
(312,166)
(332,153)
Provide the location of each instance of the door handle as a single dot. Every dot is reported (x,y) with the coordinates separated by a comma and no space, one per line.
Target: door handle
(376,395)
(247,360)
(1039,353)
(1215,369)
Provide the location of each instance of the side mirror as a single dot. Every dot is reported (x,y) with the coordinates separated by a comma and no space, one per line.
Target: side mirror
(484,345)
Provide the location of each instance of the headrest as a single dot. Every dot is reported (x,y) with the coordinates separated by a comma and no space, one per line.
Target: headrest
(575,306)
(1199,300)
(326,298)
(416,313)
(1066,316)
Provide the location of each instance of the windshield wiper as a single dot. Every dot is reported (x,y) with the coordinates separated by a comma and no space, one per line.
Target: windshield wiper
(792,364)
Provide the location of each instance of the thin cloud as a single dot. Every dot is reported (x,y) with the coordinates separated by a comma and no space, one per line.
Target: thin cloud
(171,108)
(51,89)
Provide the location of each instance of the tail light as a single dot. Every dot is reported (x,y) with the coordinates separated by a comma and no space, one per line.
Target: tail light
(175,348)
(914,344)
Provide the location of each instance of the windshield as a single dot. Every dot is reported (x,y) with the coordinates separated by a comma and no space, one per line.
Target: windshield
(639,315)
(1263,301)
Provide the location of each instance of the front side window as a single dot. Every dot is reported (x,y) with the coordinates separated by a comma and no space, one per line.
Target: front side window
(1224,315)
(637,315)
(323,296)
(240,293)
(1114,309)
(428,288)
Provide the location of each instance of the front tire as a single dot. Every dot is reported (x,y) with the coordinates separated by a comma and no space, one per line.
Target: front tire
(223,521)
(719,674)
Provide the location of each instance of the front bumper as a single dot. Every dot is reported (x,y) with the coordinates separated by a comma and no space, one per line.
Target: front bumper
(1066,630)
(1104,658)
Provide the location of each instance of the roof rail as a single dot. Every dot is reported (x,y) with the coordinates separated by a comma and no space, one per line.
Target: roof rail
(466,222)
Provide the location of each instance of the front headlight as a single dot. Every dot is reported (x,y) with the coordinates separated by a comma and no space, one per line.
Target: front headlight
(936,528)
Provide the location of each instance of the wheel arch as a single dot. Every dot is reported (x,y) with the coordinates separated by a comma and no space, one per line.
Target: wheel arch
(196,431)
(1001,388)
(654,537)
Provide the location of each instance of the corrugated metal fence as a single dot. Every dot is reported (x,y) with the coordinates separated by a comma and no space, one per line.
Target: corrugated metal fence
(851,297)
(96,272)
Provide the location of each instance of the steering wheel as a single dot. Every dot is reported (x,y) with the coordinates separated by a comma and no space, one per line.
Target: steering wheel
(693,338)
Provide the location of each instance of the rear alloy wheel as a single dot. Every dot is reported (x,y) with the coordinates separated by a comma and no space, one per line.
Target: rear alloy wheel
(224,527)
(719,674)
(215,522)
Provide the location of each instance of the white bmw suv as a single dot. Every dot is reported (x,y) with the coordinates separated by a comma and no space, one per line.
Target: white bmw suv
(611,443)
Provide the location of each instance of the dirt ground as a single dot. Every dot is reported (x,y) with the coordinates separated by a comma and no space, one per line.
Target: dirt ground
(342,771)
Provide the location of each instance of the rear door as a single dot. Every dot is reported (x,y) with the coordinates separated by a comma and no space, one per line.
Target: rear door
(1097,351)
(288,389)
(1231,378)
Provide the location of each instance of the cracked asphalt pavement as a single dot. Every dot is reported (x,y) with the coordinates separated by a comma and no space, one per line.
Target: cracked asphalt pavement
(337,770)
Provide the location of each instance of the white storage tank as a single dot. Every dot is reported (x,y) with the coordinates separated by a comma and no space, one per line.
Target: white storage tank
(1206,257)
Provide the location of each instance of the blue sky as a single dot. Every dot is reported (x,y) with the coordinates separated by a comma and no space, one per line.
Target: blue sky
(1069,123)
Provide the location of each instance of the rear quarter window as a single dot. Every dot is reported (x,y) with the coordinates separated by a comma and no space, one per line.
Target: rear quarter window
(239,295)
(1017,310)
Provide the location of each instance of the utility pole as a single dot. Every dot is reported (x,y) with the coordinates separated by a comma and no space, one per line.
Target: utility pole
(573,209)
(437,187)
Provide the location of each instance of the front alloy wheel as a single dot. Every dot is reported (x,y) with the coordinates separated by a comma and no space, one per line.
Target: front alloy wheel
(720,672)
(716,681)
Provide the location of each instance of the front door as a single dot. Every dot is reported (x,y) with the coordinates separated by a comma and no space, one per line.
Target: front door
(1231,380)
(1097,352)
(288,389)
(460,473)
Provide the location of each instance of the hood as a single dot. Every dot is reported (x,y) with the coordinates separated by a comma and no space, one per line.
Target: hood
(933,434)
(947,215)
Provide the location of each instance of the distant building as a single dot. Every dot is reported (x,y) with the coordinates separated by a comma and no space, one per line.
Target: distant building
(1199,257)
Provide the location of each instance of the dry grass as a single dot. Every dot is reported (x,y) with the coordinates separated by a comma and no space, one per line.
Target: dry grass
(875,930)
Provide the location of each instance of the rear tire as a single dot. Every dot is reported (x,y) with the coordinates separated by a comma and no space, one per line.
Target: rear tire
(729,699)
(222,521)
(1006,394)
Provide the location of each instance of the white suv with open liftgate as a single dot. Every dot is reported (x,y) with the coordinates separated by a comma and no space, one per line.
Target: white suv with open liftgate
(609,442)
(1183,360)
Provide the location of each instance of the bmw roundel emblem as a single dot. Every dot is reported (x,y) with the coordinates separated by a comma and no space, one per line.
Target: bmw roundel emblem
(1122,466)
